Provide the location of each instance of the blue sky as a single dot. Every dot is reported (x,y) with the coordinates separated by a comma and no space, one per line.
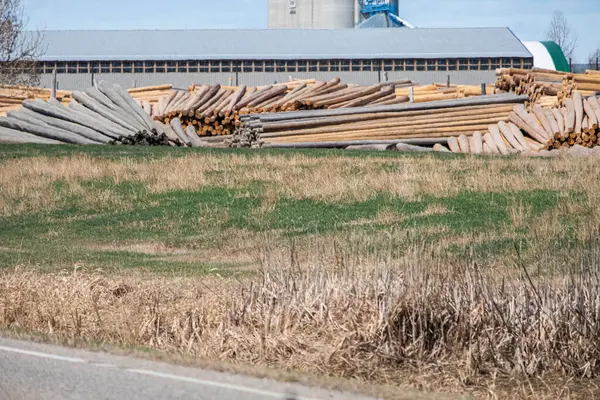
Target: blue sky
(529,23)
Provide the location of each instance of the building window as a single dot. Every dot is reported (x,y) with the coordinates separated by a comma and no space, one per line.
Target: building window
(182,66)
(138,67)
(83,67)
(149,67)
(313,66)
(323,66)
(127,67)
(355,65)
(171,66)
(160,67)
(269,66)
(116,66)
(246,66)
(452,65)
(388,65)
(192,66)
(302,67)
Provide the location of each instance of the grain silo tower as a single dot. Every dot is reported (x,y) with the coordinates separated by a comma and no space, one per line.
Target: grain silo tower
(312,14)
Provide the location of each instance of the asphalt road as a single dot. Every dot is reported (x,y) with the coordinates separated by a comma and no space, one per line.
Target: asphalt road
(31,371)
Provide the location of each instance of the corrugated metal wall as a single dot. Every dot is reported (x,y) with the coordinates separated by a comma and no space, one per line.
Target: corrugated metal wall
(183,80)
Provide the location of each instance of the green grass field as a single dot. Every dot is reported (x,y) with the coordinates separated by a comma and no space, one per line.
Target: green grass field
(149,217)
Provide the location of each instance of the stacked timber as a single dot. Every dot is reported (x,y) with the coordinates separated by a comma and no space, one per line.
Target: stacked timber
(577,123)
(539,84)
(11,97)
(436,91)
(422,123)
(545,87)
(215,110)
(106,114)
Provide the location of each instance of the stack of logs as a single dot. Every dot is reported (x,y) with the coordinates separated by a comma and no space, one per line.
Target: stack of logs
(106,114)
(436,91)
(421,123)
(11,97)
(574,124)
(215,110)
(545,87)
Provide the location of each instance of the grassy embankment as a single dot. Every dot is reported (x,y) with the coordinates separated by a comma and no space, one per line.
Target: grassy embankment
(463,274)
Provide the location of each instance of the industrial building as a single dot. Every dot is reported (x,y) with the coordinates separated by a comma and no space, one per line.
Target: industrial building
(361,41)
(141,58)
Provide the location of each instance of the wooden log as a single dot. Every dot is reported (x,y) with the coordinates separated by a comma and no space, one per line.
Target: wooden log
(62,124)
(498,140)
(13,136)
(578,102)
(98,108)
(441,148)
(364,100)
(47,131)
(463,144)
(560,121)
(146,119)
(178,129)
(556,131)
(97,120)
(59,112)
(508,134)
(173,100)
(173,137)
(591,114)
(542,118)
(412,148)
(477,143)
(530,122)
(193,136)
(571,115)
(237,97)
(453,145)
(490,143)
(519,136)
(593,102)
(147,107)
(122,108)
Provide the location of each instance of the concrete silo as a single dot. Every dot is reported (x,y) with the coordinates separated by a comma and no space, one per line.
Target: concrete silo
(311,14)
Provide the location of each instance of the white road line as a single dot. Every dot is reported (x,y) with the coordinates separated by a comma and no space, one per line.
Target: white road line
(227,386)
(42,355)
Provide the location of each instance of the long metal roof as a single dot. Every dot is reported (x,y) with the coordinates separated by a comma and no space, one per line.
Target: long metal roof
(281,44)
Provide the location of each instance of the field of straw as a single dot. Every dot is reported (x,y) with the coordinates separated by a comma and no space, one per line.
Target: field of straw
(470,276)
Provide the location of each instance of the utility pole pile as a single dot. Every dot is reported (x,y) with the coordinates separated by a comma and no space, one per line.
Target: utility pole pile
(213,110)
(421,123)
(106,114)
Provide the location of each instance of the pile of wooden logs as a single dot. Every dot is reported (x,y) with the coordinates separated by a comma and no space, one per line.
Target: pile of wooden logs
(11,97)
(215,110)
(102,115)
(576,123)
(436,91)
(422,123)
(545,87)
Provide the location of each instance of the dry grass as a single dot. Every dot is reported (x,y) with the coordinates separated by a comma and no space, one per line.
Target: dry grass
(403,293)
(28,184)
(332,311)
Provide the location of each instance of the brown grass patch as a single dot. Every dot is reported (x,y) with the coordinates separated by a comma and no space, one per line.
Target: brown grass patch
(27,184)
(337,313)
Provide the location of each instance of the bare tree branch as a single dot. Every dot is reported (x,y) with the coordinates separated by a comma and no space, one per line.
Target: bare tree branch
(594,59)
(560,31)
(19,49)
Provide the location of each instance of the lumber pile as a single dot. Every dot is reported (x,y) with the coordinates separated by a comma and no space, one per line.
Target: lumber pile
(545,87)
(575,124)
(11,97)
(106,114)
(422,123)
(436,91)
(215,110)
